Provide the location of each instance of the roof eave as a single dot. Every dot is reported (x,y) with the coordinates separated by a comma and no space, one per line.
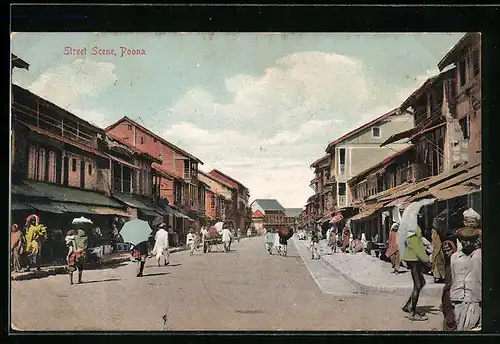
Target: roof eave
(449,58)
(171,145)
(361,128)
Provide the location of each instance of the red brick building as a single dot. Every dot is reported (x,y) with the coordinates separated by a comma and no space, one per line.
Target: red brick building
(240,197)
(176,176)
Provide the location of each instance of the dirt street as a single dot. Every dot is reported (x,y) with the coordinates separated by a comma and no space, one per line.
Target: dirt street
(246,289)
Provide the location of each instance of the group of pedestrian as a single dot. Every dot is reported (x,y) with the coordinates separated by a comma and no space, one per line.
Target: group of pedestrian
(278,240)
(455,259)
(27,243)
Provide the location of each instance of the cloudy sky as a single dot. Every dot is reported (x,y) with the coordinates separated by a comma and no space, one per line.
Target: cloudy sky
(259,107)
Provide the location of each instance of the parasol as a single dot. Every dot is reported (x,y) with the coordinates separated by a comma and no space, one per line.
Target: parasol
(285,232)
(135,231)
(82,223)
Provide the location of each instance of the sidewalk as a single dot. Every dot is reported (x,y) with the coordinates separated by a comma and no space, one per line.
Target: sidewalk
(371,274)
(112,259)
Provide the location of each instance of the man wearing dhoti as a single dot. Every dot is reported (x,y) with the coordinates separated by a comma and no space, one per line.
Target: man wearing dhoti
(161,245)
(466,279)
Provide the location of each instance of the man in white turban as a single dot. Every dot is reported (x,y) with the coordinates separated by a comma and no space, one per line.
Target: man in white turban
(471,220)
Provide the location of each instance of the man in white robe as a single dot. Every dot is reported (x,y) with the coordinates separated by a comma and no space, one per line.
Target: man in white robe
(226,238)
(161,245)
(466,280)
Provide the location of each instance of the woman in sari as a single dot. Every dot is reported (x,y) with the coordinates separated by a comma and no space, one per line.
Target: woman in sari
(17,243)
(35,235)
(346,234)
(438,257)
(393,249)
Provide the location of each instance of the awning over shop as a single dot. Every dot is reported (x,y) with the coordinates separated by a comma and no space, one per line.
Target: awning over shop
(397,202)
(453,192)
(49,208)
(132,202)
(20,206)
(75,208)
(61,208)
(58,193)
(150,213)
(181,215)
(367,211)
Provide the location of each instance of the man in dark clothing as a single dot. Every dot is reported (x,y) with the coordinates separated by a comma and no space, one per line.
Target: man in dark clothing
(140,253)
(449,323)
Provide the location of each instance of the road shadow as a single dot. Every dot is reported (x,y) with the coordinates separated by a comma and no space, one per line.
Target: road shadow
(173,265)
(157,274)
(105,266)
(99,281)
(428,310)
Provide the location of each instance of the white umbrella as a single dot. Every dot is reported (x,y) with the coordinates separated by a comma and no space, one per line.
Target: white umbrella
(219,226)
(81,220)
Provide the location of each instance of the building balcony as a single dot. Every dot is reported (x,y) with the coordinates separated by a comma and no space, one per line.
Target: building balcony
(412,173)
(342,201)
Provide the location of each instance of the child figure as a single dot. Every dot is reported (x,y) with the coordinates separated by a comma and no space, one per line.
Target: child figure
(70,243)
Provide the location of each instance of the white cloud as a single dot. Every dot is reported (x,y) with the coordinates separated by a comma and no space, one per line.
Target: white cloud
(75,86)
(277,124)
(270,131)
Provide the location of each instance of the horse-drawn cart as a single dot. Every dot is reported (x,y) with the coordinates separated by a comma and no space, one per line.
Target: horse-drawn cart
(213,237)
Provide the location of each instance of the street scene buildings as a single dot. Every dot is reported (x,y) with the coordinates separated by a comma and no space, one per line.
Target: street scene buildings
(169,213)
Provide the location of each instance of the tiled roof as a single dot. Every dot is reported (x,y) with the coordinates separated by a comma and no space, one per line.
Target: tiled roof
(269,204)
(360,129)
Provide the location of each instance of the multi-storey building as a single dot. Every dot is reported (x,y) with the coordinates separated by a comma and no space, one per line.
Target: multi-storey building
(267,214)
(240,197)
(444,160)
(360,149)
(292,216)
(61,165)
(177,171)
(219,198)
(465,56)
(323,186)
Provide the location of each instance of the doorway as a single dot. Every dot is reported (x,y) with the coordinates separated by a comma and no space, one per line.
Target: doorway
(82,174)
(66,171)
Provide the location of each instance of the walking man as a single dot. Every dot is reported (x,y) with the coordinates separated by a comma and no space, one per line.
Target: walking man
(314,244)
(140,253)
(226,239)
(161,245)
(417,261)
(269,241)
(191,242)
